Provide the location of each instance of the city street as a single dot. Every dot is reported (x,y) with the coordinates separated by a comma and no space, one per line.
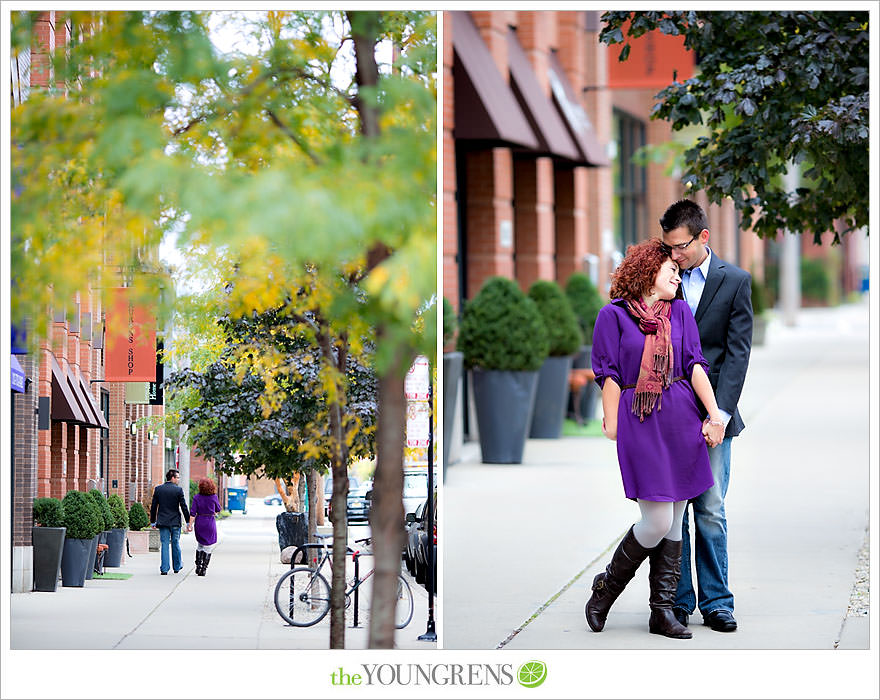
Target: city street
(230,608)
(534,535)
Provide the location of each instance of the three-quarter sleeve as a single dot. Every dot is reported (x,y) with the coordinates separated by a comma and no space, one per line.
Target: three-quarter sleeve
(605,356)
(692,351)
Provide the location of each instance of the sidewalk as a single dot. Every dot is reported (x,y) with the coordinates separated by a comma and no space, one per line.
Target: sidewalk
(536,534)
(230,608)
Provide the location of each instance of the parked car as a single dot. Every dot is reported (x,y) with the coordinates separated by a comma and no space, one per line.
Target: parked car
(273,500)
(353,483)
(415,487)
(421,557)
(414,529)
(358,506)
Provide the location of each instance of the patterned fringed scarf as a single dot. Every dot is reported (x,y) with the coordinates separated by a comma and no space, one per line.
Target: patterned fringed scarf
(655,371)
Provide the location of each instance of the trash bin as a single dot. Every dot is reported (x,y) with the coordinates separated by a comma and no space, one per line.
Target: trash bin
(293,529)
(236,499)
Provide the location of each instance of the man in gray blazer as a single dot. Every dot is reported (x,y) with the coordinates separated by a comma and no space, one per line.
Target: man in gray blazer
(720,296)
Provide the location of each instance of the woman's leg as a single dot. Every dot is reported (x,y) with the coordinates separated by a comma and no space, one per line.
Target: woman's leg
(656,523)
(665,569)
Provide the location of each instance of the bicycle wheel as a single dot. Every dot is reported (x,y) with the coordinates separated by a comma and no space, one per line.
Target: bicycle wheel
(302,597)
(403,611)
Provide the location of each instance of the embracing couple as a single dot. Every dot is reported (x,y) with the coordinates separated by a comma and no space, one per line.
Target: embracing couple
(670,352)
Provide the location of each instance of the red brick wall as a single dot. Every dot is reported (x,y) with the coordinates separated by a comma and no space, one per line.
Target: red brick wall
(24,456)
(534,225)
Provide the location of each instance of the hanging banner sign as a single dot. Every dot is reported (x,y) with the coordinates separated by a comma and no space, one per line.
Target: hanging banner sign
(130,354)
(418,416)
(415,385)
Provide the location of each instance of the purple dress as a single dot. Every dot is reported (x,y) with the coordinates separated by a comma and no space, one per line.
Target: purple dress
(665,458)
(204,507)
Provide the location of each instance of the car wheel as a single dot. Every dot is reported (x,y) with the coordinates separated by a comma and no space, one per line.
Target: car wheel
(419,573)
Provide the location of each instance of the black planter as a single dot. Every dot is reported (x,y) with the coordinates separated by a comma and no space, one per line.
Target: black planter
(504,401)
(75,561)
(48,548)
(115,547)
(452,362)
(550,398)
(93,551)
(582,359)
(293,529)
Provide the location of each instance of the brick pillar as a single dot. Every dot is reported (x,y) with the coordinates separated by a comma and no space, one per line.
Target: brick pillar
(59,466)
(537,32)
(75,480)
(489,216)
(43,387)
(116,460)
(42,46)
(25,455)
(533,220)
(493,26)
(450,203)
(571,221)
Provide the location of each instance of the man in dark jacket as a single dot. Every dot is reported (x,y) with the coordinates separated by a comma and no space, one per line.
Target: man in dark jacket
(720,297)
(165,511)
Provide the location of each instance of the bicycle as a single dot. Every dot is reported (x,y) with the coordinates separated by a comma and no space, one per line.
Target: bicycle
(302,595)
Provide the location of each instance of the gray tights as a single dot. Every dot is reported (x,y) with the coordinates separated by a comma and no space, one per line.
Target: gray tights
(659,519)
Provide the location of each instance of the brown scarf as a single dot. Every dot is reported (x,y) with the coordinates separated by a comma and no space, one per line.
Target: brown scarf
(655,371)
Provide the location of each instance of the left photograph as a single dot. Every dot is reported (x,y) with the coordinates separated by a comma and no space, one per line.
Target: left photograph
(223,292)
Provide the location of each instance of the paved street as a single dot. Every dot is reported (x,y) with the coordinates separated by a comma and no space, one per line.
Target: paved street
(523,542)
(230,608)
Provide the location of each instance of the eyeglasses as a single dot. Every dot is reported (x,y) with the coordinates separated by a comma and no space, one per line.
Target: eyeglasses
(680,246)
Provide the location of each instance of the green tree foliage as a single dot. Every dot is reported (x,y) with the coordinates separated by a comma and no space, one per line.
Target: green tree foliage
(562,326)
(772,88)
(82,517)
(501,329)
(117,508)
(137,517)
(48,512)
(101,501)
(585,301)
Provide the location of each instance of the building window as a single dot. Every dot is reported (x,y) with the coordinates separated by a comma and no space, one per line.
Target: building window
(629,181)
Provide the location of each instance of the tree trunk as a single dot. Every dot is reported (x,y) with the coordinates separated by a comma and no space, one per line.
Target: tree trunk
(386,514)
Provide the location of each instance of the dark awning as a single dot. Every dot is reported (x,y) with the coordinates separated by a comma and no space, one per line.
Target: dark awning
(485,106)
(96,411)
(546,122)
(18,377)
(65,407)
(574,116)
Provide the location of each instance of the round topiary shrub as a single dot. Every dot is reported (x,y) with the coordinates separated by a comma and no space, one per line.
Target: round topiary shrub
(117,507)
(563,331)
(106,515)
(450,322)
(48,512)
(759,302)
(585,302)
(82,517)
(137,517)
(501,329)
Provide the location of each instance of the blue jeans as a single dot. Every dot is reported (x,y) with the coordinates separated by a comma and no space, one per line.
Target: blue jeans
(710,542)
(170,536)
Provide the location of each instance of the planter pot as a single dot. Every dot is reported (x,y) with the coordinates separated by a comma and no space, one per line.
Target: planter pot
(75,560)
(582,359)
(93,551)
(504,402)
(116,547)
(589,400)
(154,540)
(139,541)
(48,548)
(759,330)
(293,529)
(452,363)
(550,398)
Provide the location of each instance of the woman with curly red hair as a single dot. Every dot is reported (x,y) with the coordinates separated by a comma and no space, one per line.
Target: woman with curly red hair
(648,361)
(204,506)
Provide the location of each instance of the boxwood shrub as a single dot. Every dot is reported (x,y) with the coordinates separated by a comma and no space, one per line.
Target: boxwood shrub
(585,302)
(106,515)
(137,517)
(450,322)
(82,517)
(117,507)
(563,331)
(48,512)
(501,329)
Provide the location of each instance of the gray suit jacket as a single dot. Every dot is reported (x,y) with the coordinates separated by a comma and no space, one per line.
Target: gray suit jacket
(724,318)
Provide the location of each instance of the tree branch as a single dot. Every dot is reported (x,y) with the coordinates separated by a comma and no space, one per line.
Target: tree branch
(293,136)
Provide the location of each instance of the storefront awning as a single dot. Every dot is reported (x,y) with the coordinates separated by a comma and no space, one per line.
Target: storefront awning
(100,421)
(19,378)
(546,122)
(485,106)
(574,116)
(65,407)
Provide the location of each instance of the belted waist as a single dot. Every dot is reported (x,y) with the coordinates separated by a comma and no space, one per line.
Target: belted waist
(633,386)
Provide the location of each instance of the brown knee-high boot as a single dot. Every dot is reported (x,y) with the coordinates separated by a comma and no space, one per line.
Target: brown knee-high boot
(665,569)
(609,584)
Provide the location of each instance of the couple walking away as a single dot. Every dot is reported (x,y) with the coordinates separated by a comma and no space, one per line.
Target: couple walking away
(670,352)
(165,511)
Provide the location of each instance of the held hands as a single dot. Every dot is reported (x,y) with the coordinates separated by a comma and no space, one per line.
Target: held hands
(610,432)
(713,432)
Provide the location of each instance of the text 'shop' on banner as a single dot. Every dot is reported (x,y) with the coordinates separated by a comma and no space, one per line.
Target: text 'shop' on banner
(131,339)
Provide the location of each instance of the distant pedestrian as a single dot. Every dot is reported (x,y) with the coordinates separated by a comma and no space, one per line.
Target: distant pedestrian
(165,511)
(719,295)
(647,359)
(204,506)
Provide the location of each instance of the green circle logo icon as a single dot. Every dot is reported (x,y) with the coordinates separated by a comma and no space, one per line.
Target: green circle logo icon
(531,674)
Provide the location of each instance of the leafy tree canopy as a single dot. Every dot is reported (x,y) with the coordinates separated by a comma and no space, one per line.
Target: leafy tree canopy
(772,88)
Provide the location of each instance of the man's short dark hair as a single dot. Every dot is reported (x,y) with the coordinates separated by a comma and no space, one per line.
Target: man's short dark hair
(684,213)
(170,474)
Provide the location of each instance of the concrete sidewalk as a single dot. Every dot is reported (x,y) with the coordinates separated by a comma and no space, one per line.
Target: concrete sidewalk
(230,608)
(523,542)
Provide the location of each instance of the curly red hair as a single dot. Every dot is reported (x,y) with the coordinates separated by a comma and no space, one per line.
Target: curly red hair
(635,275)
(207,487)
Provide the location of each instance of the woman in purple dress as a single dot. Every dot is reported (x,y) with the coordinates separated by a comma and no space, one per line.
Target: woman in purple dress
(204,506)
(648,361)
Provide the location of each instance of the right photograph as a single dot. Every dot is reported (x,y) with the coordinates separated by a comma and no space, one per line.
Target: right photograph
(655,330)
